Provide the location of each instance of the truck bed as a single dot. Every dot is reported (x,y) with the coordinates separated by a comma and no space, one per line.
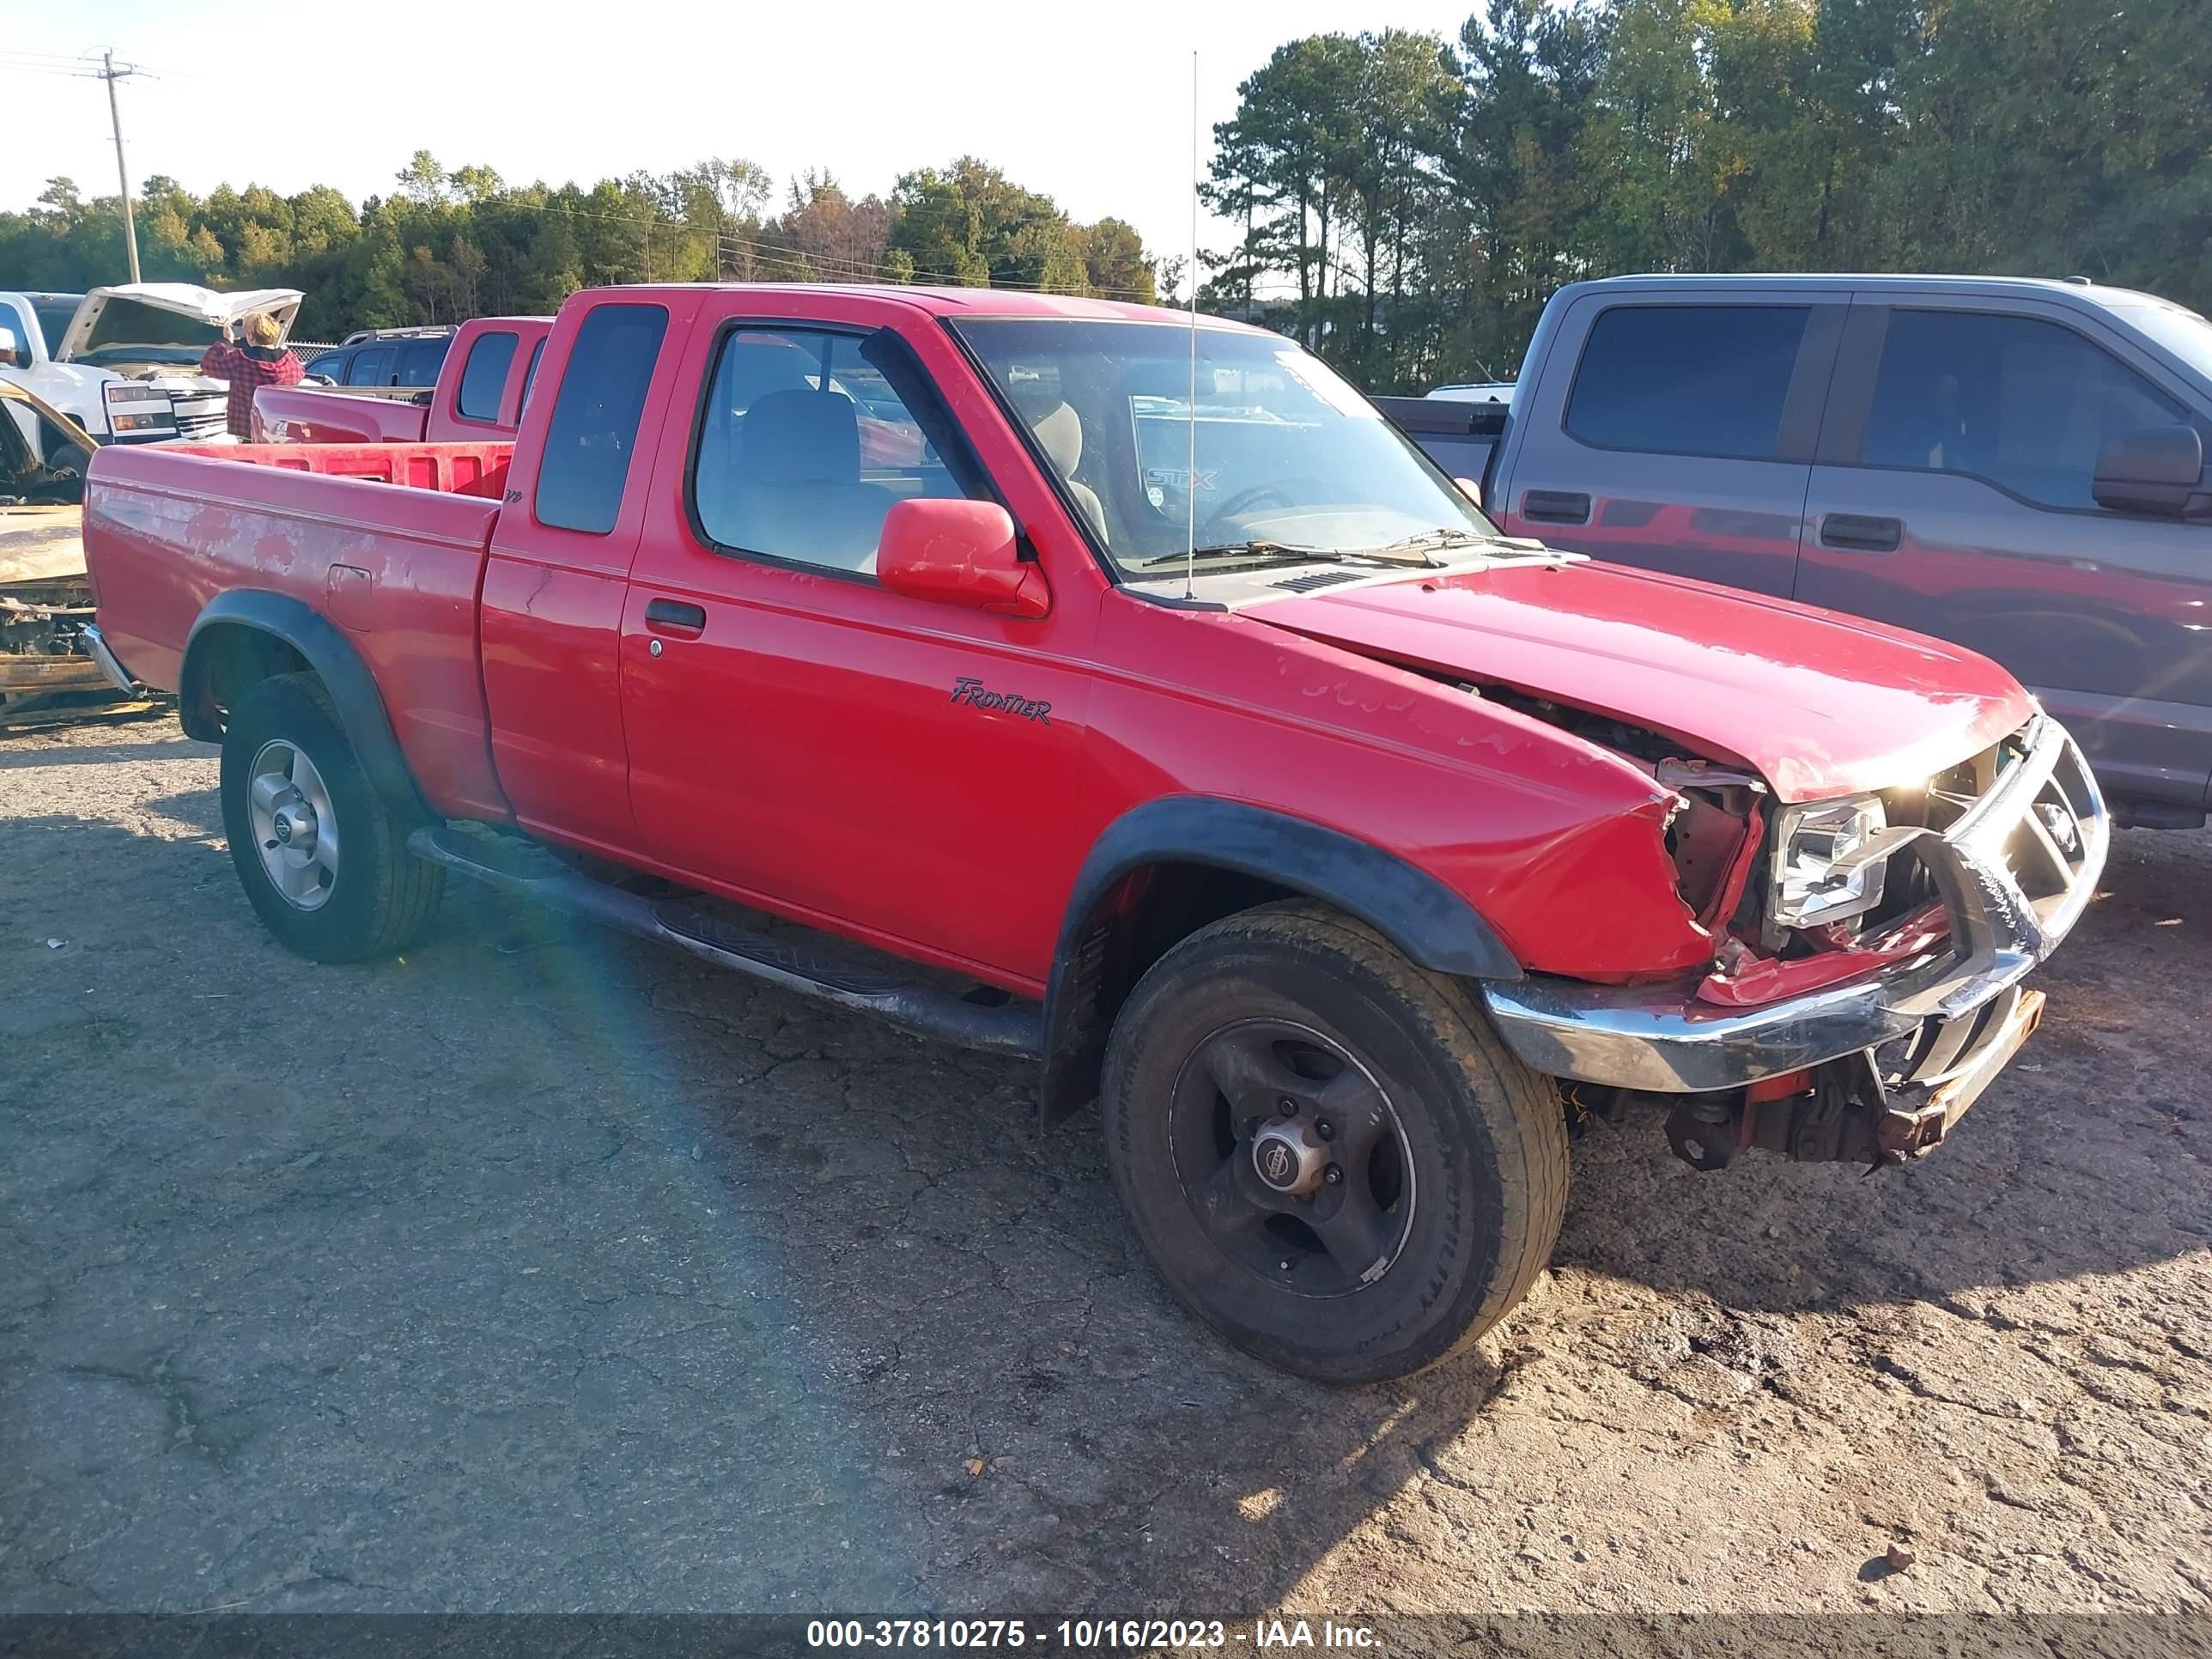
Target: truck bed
(386,540)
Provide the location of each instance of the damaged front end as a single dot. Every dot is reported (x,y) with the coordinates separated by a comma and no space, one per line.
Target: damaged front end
(1866,982)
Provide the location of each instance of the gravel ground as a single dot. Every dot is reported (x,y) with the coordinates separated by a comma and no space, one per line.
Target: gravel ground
(546,1270)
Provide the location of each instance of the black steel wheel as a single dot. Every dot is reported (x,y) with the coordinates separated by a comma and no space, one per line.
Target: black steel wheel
(1292,1158)
(1329,1153)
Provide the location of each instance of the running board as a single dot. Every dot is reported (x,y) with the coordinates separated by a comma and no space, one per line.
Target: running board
(533,872)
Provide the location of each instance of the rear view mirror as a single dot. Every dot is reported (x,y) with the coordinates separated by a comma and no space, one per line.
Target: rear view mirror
(10,352)
(2153,469)
(961,553)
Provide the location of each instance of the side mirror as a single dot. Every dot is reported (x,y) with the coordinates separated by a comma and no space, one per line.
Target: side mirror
(10,351)
(959,553)
(1472,490)
(2153,469)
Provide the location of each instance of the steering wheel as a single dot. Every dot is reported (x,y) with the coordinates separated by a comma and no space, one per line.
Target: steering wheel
(1275,489)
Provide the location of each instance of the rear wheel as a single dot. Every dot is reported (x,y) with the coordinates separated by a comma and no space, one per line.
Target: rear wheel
(1328,1152)
(323,859)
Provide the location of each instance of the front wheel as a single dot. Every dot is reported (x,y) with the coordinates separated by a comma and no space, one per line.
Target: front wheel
(1327,1151)
(323,859)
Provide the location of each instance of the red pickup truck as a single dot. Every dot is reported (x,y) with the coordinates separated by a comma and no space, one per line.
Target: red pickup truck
(1159,712)
(479,394)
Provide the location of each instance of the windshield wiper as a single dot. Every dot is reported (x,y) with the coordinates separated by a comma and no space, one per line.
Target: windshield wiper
(1426,542)
(1256,552)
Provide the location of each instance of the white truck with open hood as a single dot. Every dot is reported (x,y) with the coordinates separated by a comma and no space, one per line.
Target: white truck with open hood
(125,365)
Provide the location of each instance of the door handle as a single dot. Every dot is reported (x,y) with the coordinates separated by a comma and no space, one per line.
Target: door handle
(1556,506)
(1861,535)
(674,617)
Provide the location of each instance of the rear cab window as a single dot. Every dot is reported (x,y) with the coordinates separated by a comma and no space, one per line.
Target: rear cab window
(1687,379)
(483,376)
(420,361)
(529,376)
(592,432)
(371,365)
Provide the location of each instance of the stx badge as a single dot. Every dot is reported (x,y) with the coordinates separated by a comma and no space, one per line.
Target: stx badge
(971,692)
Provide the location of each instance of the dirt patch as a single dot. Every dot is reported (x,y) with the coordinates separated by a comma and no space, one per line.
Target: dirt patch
(545,1270)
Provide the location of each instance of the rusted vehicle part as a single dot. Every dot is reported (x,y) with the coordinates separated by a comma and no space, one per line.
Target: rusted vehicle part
(45,598)
(1878,1108)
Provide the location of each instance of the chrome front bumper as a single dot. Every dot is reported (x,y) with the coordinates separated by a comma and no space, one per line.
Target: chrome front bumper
(2041,829)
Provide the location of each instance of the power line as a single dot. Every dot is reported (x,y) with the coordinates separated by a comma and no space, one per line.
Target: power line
(57,59)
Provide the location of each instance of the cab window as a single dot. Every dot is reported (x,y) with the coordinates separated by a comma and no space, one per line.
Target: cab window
(483,377)
(530,373)
(810,437)
(592,433)
(1707,380)
(371,365)
(419,360)
(2017,401)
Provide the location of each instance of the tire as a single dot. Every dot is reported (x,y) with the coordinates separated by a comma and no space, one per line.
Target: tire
(1462,1188)
(374,897)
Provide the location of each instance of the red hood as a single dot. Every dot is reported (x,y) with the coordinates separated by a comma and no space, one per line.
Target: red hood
(1819,704)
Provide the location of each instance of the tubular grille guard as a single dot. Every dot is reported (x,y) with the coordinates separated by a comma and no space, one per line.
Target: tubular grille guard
(2016,872)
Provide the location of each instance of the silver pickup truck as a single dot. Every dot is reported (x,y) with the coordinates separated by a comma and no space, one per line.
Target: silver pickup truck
(2015,465)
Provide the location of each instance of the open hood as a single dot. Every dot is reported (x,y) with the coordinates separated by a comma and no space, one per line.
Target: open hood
(1819,704)
(166,315)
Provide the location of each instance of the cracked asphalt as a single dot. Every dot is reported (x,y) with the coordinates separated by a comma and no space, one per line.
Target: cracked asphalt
(545,1270)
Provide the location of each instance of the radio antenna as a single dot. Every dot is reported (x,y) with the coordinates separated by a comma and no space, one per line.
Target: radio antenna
(1190,476)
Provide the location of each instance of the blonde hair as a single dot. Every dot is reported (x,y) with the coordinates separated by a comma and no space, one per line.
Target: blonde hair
(263,330)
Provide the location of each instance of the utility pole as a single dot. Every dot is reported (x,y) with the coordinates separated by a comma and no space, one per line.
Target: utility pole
(110,74)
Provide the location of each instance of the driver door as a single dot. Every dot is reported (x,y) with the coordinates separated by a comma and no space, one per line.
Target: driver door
(900,771)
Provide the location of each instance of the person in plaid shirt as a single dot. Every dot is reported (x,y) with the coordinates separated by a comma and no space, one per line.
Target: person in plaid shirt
(257,361)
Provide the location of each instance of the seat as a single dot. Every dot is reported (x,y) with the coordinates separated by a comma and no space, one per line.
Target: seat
(1061,432)
(793,490)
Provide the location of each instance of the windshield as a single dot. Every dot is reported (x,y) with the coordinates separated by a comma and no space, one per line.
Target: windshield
(129,331)
(53,315)
(2184,333)
(1288,455)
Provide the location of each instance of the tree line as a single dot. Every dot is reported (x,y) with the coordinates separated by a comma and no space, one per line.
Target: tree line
(1407,204)
(1404,203)
(446,246)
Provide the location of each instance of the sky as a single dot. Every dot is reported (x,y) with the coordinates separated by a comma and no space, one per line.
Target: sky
(1090,104)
